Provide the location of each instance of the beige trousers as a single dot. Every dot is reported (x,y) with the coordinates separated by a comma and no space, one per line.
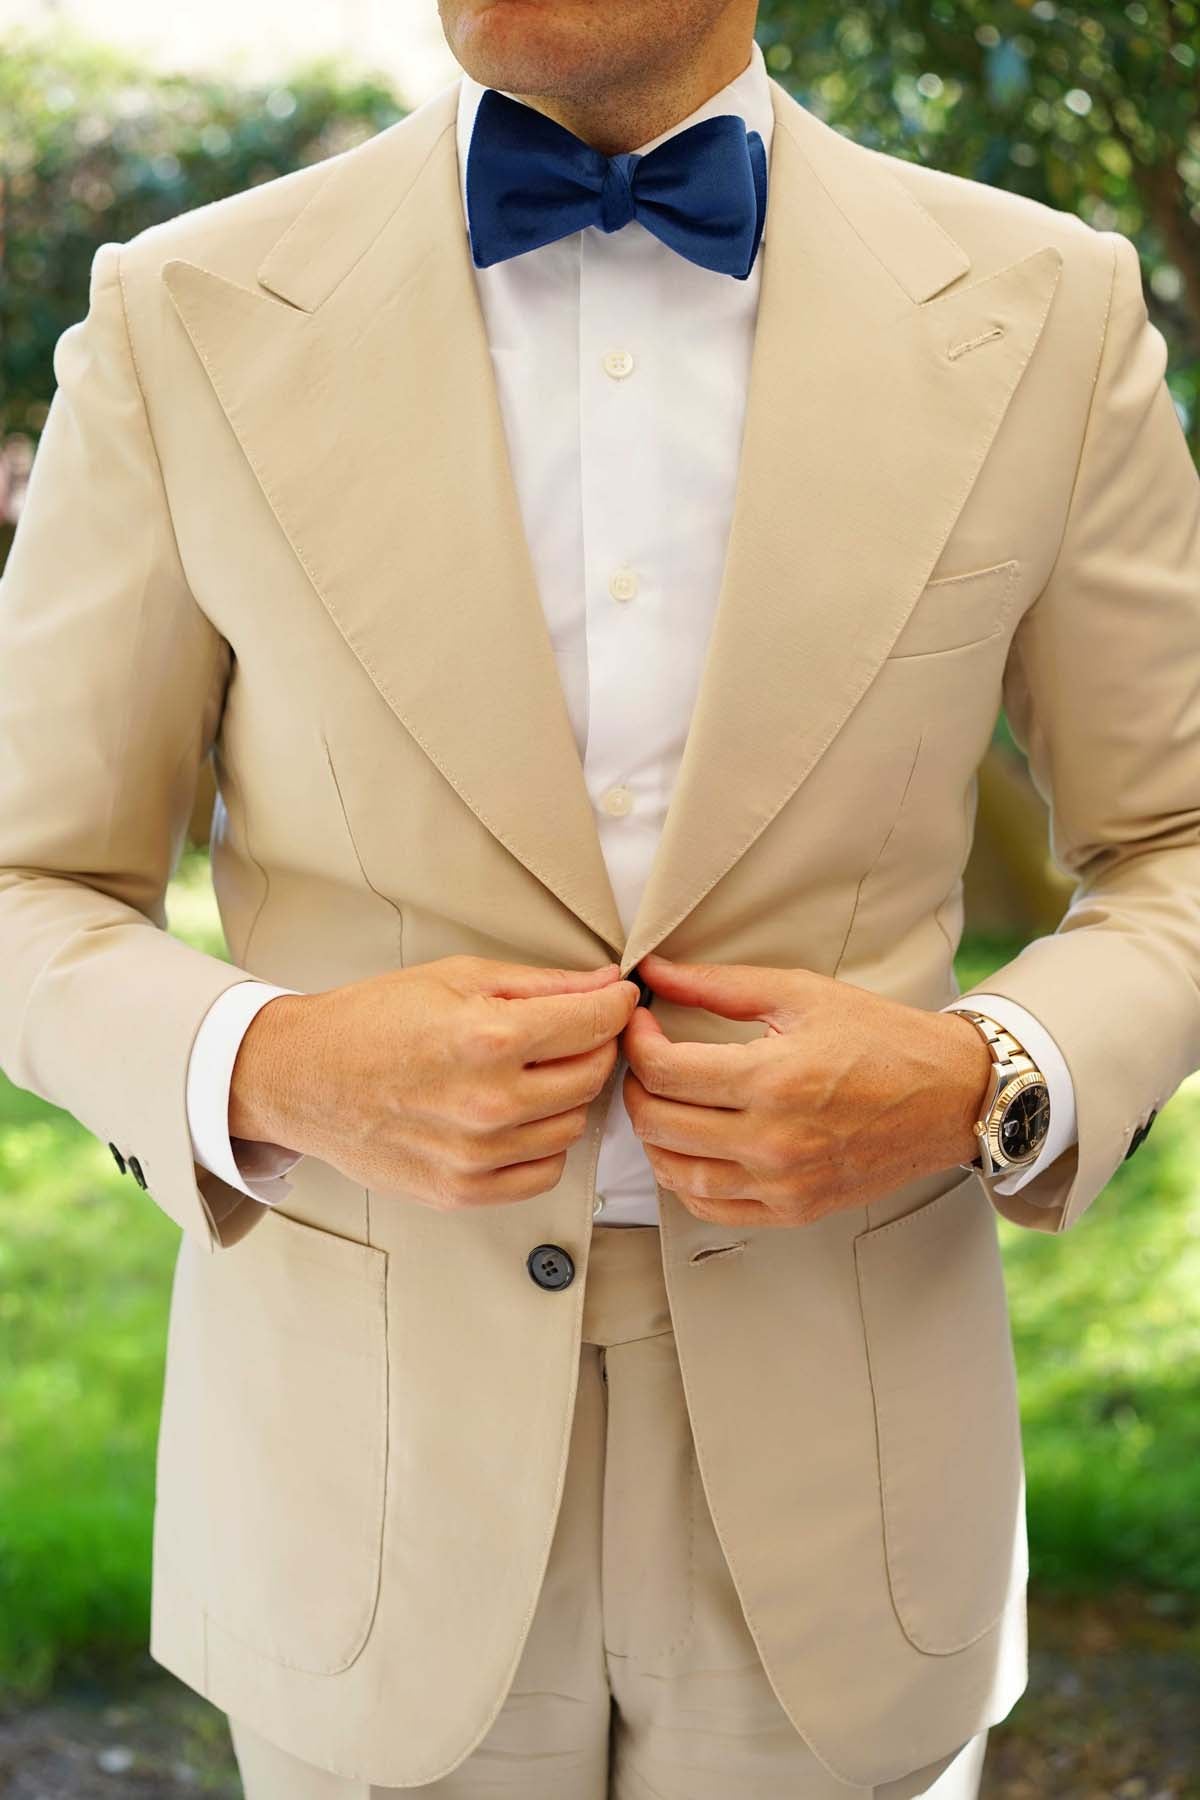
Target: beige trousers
(639,1679)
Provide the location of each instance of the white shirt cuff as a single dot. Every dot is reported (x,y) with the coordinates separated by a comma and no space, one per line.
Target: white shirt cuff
(257,1169)
(1049,1059)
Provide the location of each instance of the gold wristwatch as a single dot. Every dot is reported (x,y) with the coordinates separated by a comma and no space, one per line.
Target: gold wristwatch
(1016,1111)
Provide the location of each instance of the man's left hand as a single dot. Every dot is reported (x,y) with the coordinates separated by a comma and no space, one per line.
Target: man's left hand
(847,1096)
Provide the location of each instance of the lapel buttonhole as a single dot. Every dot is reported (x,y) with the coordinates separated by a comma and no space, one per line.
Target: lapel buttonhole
(984,337)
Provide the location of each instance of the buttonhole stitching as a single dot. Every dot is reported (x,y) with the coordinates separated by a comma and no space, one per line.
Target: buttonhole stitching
(985,337)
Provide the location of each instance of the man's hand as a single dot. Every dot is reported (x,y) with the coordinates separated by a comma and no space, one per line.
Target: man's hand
(847,1096)
(462,1081)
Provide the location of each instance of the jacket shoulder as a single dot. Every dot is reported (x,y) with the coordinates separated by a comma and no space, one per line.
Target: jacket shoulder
(996,227)
(229,236)
(232,236)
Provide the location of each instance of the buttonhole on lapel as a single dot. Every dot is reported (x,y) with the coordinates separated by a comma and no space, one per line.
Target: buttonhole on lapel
(985,337)
(717,1250)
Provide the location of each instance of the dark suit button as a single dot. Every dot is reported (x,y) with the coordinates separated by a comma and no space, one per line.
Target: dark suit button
(1140,1135)
(551,1266)
(118,1158)
(135,1169)
(645,991)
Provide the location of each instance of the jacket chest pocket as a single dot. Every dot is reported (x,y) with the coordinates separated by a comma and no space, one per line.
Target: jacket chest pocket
(294,1435)
(957,611)
(943,1382)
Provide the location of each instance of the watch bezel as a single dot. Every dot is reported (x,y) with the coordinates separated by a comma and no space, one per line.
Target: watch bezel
(1016,1084)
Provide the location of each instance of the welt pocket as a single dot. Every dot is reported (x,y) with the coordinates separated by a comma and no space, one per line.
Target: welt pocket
(958,610)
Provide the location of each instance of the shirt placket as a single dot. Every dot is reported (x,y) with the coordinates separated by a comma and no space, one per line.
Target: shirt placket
(619,486)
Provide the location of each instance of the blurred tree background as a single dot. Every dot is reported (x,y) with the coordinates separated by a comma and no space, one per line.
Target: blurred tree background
(94,148)
(1094,110)
(1091,111)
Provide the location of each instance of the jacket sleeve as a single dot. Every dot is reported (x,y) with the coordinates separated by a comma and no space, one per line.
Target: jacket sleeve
(1102,692)
(112,683)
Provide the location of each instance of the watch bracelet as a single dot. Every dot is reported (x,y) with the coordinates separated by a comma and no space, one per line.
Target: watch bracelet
(1003,1047)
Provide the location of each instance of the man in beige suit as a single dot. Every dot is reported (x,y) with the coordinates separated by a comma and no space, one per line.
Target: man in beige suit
(466,554)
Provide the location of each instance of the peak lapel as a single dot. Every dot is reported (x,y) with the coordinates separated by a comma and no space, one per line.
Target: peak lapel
(364,400)
(862,439)
(358,382)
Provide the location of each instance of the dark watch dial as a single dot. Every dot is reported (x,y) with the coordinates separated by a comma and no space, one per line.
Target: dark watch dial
(1026,1121)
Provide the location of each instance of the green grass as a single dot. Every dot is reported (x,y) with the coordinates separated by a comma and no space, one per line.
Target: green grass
(85,1268)
(1106,1322)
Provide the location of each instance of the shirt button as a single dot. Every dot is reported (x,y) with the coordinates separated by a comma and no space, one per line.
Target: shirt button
(617,801)
(617,363)
(598,1206)
(622,584)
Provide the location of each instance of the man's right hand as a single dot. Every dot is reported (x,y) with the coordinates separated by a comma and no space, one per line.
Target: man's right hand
(462,1082)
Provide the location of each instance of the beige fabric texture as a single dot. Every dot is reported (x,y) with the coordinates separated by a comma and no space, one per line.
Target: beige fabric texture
(639,1679)
(272,520)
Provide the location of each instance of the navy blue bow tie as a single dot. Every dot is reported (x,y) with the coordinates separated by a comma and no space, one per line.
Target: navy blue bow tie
(702,192)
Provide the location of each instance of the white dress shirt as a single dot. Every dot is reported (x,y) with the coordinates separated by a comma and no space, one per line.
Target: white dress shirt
(622,371)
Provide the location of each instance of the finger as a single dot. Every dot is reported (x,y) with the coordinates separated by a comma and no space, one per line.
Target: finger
(518,1181)
(735,990)
(710,1074)
(543,1089)
(568,1024)
(729,1212)
(679,1125)
(688,1181)
(519,981)
(712,1178)
(526,1142)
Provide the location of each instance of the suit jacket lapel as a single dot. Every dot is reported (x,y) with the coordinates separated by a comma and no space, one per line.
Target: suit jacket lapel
(359,384)
(368,409)
(866,425)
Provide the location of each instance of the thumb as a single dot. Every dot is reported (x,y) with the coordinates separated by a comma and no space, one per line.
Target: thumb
(735,990)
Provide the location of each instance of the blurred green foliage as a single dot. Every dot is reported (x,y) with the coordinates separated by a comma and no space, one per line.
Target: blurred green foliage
(93,148)
(1093,109)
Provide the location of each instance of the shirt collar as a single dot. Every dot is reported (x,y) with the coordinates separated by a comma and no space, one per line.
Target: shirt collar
(748,94)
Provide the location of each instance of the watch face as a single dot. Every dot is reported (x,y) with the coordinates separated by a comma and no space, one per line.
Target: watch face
(1026,1121)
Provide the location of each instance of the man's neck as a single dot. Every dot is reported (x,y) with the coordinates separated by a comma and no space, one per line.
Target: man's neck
(632,115)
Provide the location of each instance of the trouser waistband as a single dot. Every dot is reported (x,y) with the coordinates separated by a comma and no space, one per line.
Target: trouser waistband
(625,1293)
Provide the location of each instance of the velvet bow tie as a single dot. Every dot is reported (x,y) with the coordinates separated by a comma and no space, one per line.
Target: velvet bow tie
(702,192)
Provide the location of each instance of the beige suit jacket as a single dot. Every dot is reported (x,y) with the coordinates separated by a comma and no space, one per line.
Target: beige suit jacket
(273,518)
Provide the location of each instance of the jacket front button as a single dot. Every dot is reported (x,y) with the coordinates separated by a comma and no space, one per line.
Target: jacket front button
(135,1169)
(118,1158)
(550,1266)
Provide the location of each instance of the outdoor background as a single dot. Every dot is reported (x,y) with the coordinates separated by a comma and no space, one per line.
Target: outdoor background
(117,113)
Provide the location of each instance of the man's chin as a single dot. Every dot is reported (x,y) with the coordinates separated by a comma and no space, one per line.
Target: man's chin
(527,47)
